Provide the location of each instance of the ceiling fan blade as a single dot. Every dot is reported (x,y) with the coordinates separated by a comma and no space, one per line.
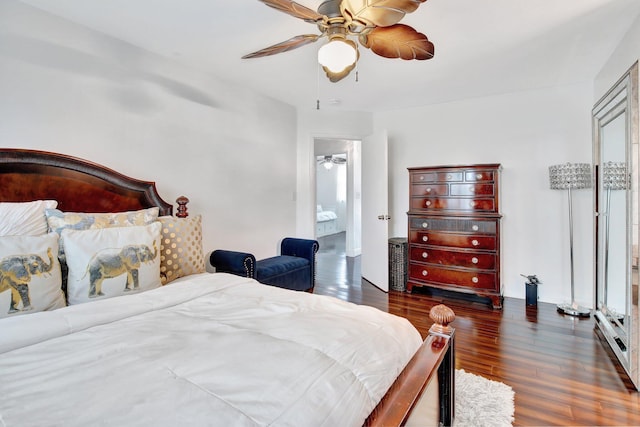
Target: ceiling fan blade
(398,41)
(292,43)
(295,9)
(381,13)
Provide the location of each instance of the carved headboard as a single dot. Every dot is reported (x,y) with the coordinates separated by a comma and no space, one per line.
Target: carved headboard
(78,185)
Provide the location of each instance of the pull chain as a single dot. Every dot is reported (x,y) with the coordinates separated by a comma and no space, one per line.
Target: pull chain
(318,87)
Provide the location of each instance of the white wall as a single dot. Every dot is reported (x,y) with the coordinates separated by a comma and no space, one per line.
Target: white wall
(626,53)
(327,193)
(526,132)
(67,89)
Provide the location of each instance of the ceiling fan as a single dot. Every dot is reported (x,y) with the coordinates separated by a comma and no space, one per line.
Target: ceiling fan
(329,161)
(374,23)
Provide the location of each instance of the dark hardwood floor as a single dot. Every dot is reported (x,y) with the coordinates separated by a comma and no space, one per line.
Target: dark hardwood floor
(560,371)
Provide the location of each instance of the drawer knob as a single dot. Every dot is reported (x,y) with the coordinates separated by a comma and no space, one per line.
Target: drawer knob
(472,189)
(474,242)
(474,279)
(425,255)
(449,177)
(425,238)
(428,203)
(425,273)
(425,225)
(479,176)
(472,204)
(429,190)
(474,260)
(475,227)
(421,178)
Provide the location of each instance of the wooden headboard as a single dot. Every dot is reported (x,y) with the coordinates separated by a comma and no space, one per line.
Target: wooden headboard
(78,185)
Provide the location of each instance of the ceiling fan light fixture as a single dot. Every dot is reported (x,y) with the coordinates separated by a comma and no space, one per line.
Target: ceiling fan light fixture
(338,55)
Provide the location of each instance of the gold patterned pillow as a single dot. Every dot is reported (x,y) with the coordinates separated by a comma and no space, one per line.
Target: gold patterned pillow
(180,247)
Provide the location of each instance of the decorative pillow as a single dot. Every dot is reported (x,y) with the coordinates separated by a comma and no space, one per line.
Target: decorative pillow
(24,218)
(59,221)
(108,262)
(29,274)
(181,247)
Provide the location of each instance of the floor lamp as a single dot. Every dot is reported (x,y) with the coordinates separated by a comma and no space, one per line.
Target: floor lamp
(571,176)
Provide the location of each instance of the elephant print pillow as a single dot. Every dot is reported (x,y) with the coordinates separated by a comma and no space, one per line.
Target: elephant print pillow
(109,262)
(30,279)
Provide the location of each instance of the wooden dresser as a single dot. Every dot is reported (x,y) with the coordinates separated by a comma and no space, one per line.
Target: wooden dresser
(454,229)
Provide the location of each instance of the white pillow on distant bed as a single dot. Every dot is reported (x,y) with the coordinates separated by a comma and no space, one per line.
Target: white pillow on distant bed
(104,262)
(24,218)
(30,277)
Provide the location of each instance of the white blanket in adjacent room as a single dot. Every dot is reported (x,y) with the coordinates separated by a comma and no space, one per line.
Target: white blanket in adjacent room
(210,349)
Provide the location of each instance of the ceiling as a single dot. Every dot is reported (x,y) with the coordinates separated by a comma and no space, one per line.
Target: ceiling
(482,47)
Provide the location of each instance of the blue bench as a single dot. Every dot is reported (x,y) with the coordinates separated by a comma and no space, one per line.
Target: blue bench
(294,268)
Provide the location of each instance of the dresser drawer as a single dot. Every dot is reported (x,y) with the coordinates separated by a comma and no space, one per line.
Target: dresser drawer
(471,190)
(482,261)
(452,204)
(437,176)
(430,189)
(453,240)
(478,175)
(446,276)
(456,225)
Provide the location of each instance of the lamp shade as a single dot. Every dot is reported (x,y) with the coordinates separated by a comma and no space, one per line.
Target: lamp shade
(570,176)
(614,176)
(337,55)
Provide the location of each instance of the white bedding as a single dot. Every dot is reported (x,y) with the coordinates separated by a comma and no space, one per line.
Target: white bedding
(209,349)
(326,216)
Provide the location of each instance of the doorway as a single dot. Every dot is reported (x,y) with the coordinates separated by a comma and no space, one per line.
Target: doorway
(337,192)
(337,228)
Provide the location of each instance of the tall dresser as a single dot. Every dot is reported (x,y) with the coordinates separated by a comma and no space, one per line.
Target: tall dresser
(454,230)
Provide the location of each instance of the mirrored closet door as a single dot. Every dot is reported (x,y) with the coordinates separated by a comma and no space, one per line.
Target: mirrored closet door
(615,138)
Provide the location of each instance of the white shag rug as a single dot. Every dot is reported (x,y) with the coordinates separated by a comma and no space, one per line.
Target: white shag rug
(482,402)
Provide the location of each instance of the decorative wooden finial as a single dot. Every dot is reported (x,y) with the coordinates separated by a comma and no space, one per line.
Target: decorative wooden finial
(182,207)
(441,316)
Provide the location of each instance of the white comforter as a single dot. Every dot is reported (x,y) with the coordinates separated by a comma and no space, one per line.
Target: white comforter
(326,216)
(214,349)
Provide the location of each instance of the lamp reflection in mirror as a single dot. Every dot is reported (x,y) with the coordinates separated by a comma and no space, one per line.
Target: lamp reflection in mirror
(614,177)
(571,176)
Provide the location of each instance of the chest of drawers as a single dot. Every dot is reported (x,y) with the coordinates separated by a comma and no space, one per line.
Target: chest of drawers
(454,230)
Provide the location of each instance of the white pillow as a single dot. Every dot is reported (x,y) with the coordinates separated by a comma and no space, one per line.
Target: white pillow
(24,218)
(30,277)
(106,262)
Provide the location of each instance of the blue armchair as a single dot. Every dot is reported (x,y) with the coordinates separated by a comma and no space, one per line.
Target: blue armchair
(294,268)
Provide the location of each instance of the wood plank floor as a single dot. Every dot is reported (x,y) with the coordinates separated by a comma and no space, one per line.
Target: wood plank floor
(561,372)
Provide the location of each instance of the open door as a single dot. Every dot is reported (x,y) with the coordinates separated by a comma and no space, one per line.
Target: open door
(375,211)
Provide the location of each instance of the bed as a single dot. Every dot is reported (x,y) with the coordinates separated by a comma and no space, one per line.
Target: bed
(199,348)
(326,222)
